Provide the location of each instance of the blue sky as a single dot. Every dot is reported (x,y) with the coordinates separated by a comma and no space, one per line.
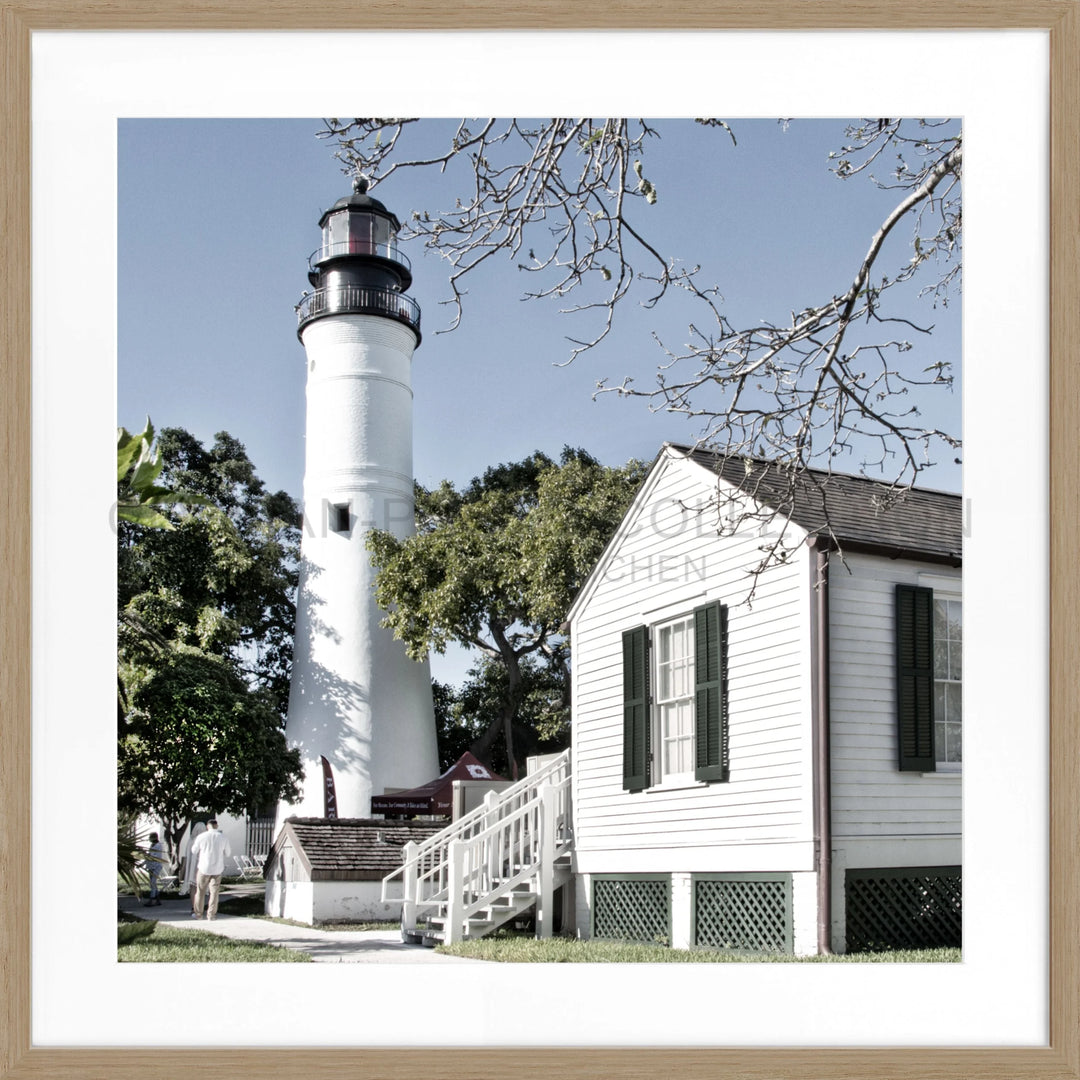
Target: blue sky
(217,218)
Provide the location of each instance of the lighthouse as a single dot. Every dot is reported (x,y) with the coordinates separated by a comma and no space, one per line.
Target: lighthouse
(360,710)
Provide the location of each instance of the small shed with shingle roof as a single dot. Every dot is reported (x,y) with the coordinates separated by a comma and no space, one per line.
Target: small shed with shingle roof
(331,869)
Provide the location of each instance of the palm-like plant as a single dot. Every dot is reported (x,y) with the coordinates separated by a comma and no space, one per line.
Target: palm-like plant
(129,849)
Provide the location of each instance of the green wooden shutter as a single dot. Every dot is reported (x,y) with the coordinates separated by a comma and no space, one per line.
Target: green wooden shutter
(915,677)
(710,698)
(636,709)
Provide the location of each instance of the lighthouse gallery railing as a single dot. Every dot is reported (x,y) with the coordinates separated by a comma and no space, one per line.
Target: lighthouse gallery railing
(358,300)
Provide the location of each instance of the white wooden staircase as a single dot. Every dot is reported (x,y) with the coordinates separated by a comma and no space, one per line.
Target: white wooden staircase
(491,865)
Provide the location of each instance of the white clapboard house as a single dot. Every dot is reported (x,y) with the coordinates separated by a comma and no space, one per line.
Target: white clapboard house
(763,762)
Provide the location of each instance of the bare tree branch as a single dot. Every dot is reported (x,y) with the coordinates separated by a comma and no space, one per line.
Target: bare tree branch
(834,379)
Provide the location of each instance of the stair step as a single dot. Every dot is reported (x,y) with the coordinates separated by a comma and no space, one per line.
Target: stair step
(496,907)
(498,913)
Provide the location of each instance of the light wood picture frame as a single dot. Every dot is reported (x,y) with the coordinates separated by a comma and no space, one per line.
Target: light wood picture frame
(19,1059)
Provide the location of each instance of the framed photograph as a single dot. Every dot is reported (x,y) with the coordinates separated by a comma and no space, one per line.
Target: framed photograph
(75,75)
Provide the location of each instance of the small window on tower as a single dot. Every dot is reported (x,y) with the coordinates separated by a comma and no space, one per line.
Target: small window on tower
(339,517)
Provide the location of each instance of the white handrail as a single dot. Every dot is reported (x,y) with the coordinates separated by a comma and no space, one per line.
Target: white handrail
(477,820)
(522,846)
(513,837)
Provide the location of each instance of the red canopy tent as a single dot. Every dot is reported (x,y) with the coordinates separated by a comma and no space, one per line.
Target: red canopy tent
(436,796)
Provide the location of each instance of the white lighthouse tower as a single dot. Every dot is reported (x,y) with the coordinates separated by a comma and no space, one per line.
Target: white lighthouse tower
(359,709)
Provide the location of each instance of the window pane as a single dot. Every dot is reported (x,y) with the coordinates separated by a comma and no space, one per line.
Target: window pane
(678,756)
(664,644)
(339,228)
(941,656)
(940,742)
(360,229)
(686,718)
(939,701)
(680,679)
(678,641)
(956,640)
(676,733)
(380,230)
(954,694)
(953,744)
(663,656)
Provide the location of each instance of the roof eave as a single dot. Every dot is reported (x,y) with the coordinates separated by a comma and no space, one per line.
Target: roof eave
(288,835)
(891,551)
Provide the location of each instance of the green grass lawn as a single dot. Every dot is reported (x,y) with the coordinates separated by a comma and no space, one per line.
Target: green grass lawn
(511,949)
(151,942)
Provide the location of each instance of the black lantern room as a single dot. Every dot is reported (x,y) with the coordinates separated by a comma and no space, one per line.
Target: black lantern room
(358,270)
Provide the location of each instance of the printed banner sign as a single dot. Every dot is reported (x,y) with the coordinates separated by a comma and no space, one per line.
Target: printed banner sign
(329,794)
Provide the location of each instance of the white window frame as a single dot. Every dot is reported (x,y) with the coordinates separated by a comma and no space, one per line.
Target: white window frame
(658,706)
(948,596)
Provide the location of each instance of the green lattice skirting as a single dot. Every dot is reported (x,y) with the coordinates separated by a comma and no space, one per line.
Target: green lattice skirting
(632,908)
(916,907)
(744,913)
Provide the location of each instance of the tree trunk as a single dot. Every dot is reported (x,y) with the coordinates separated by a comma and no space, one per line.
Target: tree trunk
(481,747)
(508,714)
(174,833)
(512,660)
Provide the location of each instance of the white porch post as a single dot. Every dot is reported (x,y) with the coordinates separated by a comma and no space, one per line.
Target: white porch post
(545,915)
(409,884)
(454,930)
(491,817)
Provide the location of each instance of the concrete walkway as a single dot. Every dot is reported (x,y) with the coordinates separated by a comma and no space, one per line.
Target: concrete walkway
(324,946)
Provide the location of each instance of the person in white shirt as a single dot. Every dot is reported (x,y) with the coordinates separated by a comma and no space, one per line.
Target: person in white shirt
(210,849)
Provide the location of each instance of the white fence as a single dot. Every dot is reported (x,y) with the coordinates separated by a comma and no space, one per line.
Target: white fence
(258,837)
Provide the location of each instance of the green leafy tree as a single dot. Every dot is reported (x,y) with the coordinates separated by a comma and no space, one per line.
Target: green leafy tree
(139,501)
(140,498)
(495,567)
(205,617)
(197,736)
(223,578)
(454,730)
(541,724)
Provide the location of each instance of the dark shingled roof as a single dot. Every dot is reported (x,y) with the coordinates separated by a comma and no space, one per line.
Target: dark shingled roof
(351,849)
(862,514)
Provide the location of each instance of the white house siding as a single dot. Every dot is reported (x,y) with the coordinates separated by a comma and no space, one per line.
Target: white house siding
(665,562)
(879,811)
